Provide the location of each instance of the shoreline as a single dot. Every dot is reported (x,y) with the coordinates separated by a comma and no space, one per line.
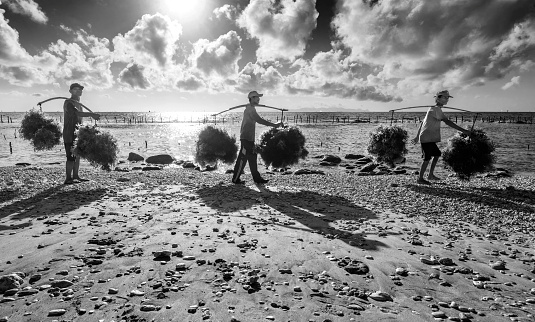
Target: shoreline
(423,247)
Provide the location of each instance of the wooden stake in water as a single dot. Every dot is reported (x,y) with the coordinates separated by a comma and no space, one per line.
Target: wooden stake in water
(10,148)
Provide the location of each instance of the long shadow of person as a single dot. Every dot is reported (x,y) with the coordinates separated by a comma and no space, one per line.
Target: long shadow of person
(50,202)
(334,217)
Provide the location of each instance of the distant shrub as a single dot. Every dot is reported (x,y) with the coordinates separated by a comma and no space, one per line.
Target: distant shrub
(99,148)
(388,143)
(43,133)
(282,147)
(215,144)
(469,155)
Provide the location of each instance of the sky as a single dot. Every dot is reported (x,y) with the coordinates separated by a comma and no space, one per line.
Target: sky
(206,55)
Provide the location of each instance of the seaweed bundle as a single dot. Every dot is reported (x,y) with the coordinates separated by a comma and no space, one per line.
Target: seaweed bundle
(469,155)
(388,143)
(43,133)
(215,144)
(99,148)
(282,147)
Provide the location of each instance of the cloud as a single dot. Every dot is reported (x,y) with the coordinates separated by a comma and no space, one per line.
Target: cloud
(334,74)
(227,11)
(153,41)
(514,81)
(27,8)
(11,52)
(190,83)
(256,77)
(133,75)
(281,27)
(217,58)
(86,60)
(427,45)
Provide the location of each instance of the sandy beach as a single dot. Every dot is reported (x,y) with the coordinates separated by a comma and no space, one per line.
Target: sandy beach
(183,245)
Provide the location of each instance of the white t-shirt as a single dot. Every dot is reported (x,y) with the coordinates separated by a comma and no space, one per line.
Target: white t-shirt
(431,127)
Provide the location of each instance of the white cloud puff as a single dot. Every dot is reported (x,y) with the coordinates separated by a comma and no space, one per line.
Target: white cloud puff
(133,76)
(441,43)
(27,8)
(282,27)
(153,41)
(227,11)
(11,52)
(219,57)
(514,81)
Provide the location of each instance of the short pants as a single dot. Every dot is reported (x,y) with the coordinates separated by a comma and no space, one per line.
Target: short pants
(430,149)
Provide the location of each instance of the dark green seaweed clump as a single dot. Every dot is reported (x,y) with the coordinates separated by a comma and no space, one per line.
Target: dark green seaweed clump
(469,155)
(99,148)
(281,148)
(388,143)
(215,144)
(43,133)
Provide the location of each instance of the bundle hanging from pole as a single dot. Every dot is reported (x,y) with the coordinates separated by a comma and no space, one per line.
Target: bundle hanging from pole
(98,147)
(468,155)
(213,145)
(281,148)
(42,132)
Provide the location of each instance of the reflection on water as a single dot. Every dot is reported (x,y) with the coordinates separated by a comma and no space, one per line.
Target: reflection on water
(178,140)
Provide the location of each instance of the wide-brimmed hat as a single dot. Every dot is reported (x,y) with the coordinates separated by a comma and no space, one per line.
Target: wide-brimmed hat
(254,94)
(443,93)
(76,85)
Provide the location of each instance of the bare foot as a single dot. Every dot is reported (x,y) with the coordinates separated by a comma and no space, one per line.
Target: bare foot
(423,181)
(433,178)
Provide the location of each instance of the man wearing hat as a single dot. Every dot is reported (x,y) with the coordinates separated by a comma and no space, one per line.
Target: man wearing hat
(72,116)
(247,138)
(429,134)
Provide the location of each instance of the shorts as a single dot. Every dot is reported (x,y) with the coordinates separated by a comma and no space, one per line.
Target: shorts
(430,149)
(68,151)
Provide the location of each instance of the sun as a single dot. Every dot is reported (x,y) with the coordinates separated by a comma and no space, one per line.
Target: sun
(183,9)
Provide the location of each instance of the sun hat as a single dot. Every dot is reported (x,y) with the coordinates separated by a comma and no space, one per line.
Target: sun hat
(253,94)
(443,93)
(76,85)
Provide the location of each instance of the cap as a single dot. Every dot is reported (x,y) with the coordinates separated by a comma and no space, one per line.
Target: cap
(253,94)
(443,93)
(75,85)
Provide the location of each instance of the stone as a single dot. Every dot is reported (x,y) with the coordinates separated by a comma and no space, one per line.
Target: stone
(499,265)
(61,283)
(160,159)
(57,312)
(368,167)
(135,157)
(446,261)
(357,267)
(331,158)
(354,156)
(10,281)
(380,296)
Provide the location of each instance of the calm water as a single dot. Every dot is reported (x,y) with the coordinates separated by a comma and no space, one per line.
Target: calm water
(326,133)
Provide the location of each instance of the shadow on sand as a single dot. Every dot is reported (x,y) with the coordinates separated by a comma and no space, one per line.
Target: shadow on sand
(50,202)
(514,200)
(318,212)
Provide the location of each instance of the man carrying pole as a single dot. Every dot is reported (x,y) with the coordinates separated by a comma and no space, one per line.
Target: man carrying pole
(247,137)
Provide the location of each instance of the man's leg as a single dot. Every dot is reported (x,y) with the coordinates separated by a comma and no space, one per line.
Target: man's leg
(69,165)
(253,165)
(240,165)
(75,168)
(431,175)
(423,167)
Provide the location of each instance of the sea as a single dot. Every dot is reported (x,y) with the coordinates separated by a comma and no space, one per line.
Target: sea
(336,133)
